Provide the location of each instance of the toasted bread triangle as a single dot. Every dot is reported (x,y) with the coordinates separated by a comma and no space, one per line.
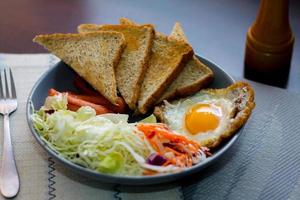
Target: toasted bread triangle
(194,76)
(167,60)
(134,60)
(92,55)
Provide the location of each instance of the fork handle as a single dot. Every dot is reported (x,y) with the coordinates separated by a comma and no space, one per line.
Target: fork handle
(9,178)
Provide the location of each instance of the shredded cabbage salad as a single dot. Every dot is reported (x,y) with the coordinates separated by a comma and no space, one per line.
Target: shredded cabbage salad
(104,143)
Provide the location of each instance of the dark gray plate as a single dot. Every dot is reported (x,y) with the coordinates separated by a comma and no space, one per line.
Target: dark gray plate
(60,76)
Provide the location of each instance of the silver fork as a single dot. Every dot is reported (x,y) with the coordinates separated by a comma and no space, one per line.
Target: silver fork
(9,178)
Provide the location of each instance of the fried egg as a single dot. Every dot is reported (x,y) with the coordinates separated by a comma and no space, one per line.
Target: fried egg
(210,115)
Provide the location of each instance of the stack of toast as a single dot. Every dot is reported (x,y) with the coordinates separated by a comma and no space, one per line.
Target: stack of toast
(144,66)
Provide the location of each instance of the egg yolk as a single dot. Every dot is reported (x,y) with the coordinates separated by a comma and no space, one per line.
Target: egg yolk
(202,118)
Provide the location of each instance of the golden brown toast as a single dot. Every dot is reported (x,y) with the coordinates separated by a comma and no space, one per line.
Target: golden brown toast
(92,55)
(134,60)
(194,76)
(166,62)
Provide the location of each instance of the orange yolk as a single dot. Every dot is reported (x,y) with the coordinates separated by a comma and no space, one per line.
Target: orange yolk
(202,118)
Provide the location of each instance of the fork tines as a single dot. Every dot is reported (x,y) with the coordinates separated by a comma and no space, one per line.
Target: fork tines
(10,91)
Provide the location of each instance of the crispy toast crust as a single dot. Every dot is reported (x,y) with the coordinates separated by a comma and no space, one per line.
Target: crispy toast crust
(40,38)
(238,120)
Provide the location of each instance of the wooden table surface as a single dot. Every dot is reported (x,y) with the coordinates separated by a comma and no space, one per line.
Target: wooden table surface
(216,28)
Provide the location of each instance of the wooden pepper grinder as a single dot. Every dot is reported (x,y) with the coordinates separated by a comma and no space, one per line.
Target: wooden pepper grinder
(269,44)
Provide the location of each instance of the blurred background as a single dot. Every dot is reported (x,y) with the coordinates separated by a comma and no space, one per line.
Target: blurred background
(216,29)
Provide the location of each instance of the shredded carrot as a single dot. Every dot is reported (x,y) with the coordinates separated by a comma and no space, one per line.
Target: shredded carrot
(168,162)
(160,136)
(148,172)
(161,129)
(155,146)
(168,149)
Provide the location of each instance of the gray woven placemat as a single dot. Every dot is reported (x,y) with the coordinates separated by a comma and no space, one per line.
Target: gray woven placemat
(263,164)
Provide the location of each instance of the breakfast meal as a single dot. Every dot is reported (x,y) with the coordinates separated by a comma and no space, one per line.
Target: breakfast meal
(130,71)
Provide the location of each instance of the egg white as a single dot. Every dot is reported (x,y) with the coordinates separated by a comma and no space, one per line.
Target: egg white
(175,116)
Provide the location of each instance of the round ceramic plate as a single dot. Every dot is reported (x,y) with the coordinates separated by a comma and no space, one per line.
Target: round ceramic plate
(60,76)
